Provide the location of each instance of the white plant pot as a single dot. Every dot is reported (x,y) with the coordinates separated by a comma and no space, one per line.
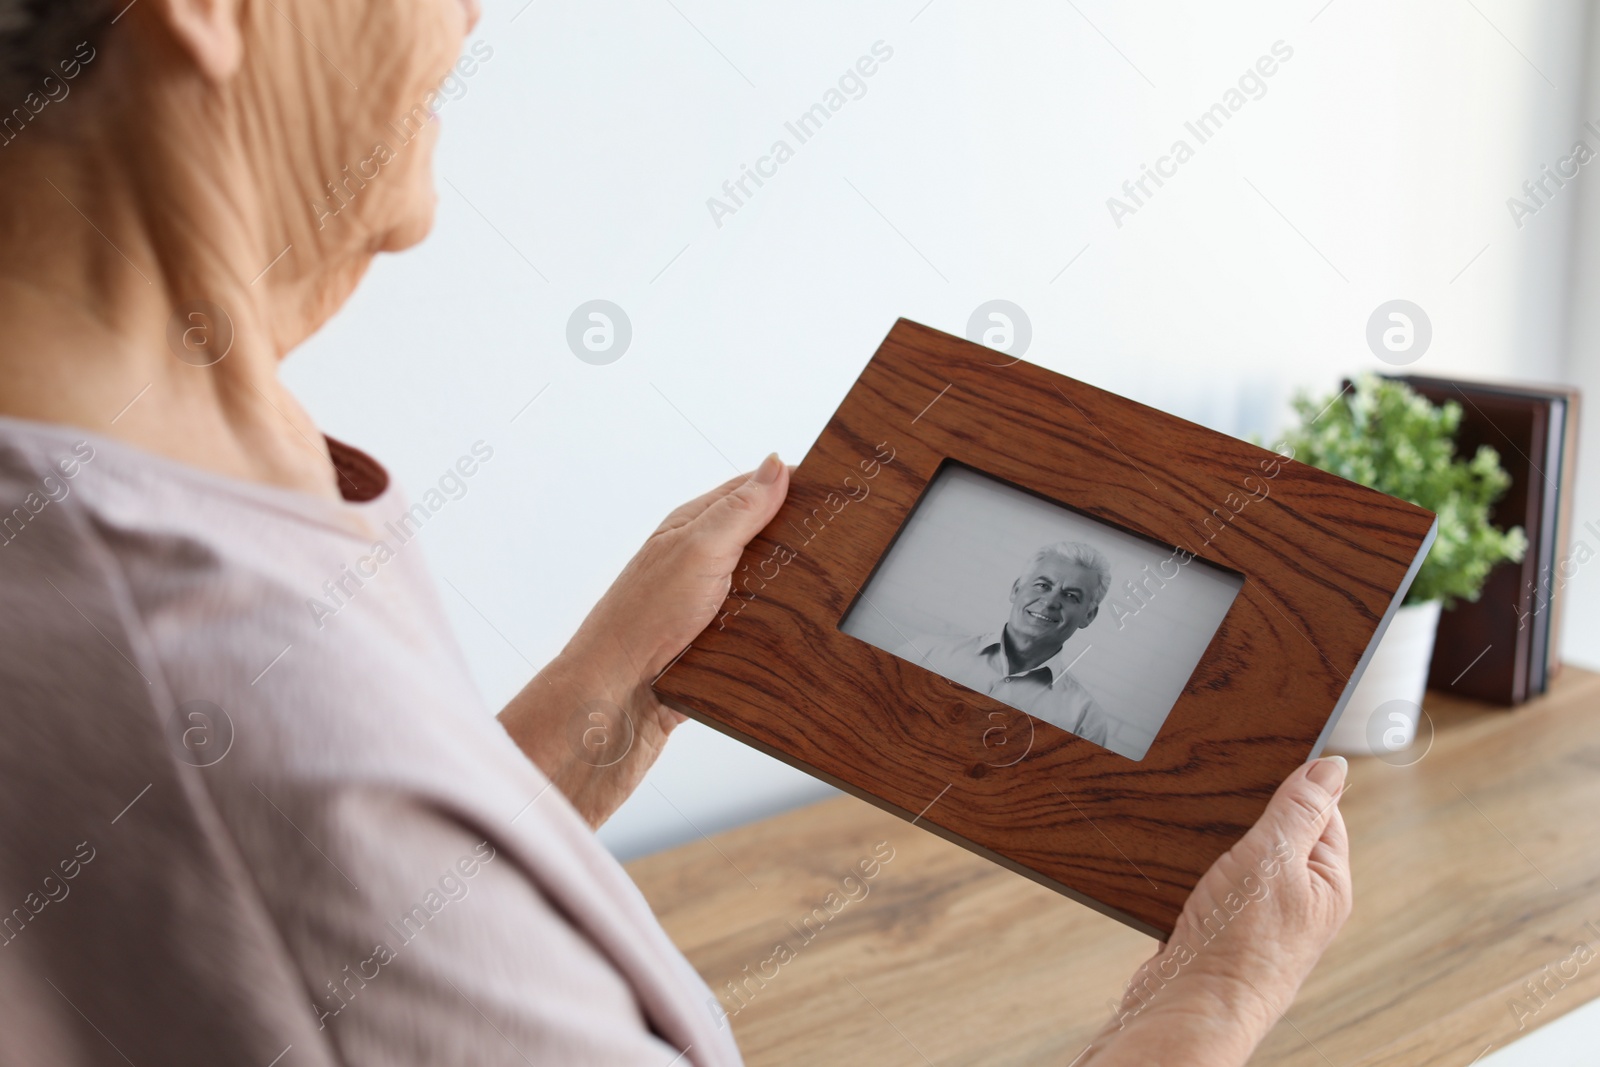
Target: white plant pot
(1391,689)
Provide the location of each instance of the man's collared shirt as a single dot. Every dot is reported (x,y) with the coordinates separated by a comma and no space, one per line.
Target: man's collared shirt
(1047,692)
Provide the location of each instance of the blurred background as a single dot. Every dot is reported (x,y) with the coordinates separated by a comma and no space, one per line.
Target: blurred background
(984,158)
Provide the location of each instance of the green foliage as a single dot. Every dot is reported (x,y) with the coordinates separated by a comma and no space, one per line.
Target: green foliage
(1382,434)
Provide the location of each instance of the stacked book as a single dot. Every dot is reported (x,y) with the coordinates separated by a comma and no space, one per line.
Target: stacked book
(1504,647)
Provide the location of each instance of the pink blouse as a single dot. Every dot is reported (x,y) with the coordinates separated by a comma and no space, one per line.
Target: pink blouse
(254,810)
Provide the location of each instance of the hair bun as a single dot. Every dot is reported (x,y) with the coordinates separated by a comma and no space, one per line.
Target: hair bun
(37,36)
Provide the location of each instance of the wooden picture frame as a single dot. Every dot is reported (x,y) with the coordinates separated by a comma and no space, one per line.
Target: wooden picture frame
(1323,562)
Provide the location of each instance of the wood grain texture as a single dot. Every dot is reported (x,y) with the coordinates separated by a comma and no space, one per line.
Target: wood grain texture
(1476,872)
(1323,560)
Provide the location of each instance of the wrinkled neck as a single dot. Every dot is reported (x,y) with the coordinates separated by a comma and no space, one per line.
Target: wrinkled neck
(142,294)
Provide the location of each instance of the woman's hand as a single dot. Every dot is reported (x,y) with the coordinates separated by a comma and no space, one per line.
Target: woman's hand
(1250,933)
(589,719)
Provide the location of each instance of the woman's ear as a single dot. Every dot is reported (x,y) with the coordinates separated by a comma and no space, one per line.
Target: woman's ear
(208,31)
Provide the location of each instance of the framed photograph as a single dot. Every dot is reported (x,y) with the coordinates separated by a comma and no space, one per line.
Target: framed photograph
(1076,635)
(1080,624)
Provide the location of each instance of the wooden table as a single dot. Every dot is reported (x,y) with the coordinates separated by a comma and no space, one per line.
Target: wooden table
(1476,868)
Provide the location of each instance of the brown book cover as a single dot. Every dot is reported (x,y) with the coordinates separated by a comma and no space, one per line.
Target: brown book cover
(1567,481)
(1486,649)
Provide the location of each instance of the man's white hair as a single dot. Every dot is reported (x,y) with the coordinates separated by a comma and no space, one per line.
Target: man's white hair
(1086,556)
(37,35)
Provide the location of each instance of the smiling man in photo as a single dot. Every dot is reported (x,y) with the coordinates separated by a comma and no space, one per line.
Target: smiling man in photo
(1025,663)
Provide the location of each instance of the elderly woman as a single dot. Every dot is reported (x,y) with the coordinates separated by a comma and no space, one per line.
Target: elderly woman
(240,831)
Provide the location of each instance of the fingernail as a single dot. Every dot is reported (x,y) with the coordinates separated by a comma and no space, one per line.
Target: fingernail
(1329,772)
(767,473)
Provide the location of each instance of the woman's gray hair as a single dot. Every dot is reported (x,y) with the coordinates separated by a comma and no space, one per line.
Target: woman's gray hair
(37,36)
(1084,555)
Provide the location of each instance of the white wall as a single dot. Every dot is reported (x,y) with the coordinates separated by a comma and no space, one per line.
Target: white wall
(1582,637)
(976,166)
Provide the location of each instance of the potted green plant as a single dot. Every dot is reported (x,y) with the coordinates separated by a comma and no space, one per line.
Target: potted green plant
(1378,432)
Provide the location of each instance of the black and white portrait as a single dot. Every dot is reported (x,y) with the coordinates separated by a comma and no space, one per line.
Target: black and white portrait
(1077,623)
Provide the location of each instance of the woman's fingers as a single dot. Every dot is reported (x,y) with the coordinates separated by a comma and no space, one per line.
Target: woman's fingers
(688,512)
(1304,805)
(692,510)
(732,519)
(1330,856)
